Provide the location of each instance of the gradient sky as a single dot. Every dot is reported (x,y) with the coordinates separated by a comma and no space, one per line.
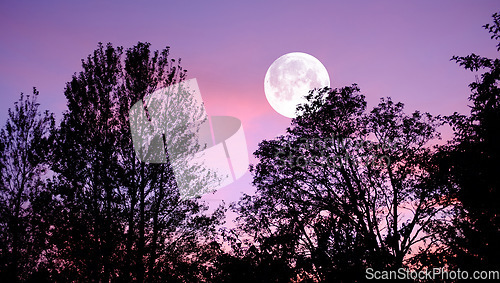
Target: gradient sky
(389,48)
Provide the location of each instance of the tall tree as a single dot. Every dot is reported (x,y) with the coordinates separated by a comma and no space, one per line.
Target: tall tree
(85,160)
(469,167)
(23,166)
(120,217)
(163,230)
(343,189)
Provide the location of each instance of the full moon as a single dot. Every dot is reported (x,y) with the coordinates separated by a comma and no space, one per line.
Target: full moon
(290,78)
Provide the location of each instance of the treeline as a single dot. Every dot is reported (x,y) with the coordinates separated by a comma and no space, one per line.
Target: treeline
(345,189)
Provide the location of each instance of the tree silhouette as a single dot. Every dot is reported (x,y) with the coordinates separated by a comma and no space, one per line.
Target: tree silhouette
(469,166)
(120,218)
(173,228)
(23,165)
(89,229)
(343,190)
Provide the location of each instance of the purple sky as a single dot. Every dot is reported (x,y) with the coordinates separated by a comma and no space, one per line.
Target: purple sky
(389,48)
